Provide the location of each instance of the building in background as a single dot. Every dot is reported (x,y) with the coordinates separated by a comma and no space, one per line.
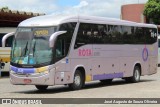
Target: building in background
(133,12)
(11,18)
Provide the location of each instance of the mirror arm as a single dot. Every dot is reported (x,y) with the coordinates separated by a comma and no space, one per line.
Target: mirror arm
(5,38)
(54,36)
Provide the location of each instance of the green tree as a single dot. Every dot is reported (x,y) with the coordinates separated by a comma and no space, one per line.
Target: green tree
(6,8)
(152,11)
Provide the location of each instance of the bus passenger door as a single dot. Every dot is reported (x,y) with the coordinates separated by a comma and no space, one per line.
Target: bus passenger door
(61,61)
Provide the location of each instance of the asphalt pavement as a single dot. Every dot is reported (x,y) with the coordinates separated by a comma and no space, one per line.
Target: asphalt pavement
(148,87)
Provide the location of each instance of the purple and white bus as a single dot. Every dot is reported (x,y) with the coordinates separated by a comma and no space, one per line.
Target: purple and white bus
(55,50)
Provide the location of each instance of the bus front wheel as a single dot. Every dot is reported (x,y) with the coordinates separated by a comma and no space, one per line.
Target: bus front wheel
(41,87)
(78,81)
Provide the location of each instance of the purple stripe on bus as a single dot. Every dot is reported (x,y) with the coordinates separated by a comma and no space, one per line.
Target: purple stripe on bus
(23,70)
(15,69)
(107,76)
(27,70)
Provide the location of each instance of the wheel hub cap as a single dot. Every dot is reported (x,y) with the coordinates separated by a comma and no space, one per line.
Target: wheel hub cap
(137,75)
(77,80)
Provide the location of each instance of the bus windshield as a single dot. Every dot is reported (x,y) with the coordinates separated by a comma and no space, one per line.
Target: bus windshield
(31,46)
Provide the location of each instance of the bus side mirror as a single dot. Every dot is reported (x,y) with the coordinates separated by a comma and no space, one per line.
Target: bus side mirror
(53,37)
(5,38)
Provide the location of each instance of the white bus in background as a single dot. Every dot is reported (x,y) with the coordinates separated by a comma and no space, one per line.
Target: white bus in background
(158,51)
(6,49)
(55,50)
(158,45)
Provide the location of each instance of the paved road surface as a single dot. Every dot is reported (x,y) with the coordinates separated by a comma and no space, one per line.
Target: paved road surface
(149,87)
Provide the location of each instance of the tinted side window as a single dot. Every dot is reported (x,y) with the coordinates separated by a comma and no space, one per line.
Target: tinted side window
(67,37)
(128,36)
(98,34)
(115,34)
(150,34)
(133,35)
(63,41)
(84,35)
(139,37)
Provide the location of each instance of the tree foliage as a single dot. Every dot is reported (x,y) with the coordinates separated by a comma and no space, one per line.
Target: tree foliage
(5,8)
(152,10)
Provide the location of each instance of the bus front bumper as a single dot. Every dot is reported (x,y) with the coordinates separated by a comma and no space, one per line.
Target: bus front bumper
(41,79)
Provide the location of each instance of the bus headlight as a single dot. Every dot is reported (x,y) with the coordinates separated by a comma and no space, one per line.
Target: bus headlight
(42,70)
(12,72)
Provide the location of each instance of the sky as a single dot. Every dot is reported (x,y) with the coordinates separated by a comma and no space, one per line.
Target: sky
(104,8)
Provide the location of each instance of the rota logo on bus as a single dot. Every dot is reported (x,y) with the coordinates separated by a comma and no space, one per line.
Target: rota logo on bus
(85,52)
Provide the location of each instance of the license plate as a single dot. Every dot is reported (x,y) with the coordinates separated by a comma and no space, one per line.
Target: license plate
(27,81)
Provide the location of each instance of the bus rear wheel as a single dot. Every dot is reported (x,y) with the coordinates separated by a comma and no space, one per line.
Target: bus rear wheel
(78,81)
(41,87)
(136,75)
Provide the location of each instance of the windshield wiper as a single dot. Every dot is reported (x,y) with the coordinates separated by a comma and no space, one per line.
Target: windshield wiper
(34,48)
(25,51)
(14,45)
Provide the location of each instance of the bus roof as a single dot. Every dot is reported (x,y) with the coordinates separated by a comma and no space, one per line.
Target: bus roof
(54,20)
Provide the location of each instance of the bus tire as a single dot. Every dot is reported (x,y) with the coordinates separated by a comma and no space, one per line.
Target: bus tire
(136,75)
(107,81)
(78,81)
(41,87)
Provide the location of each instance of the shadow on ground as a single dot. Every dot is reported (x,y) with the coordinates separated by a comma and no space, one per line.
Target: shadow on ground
(92,85)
